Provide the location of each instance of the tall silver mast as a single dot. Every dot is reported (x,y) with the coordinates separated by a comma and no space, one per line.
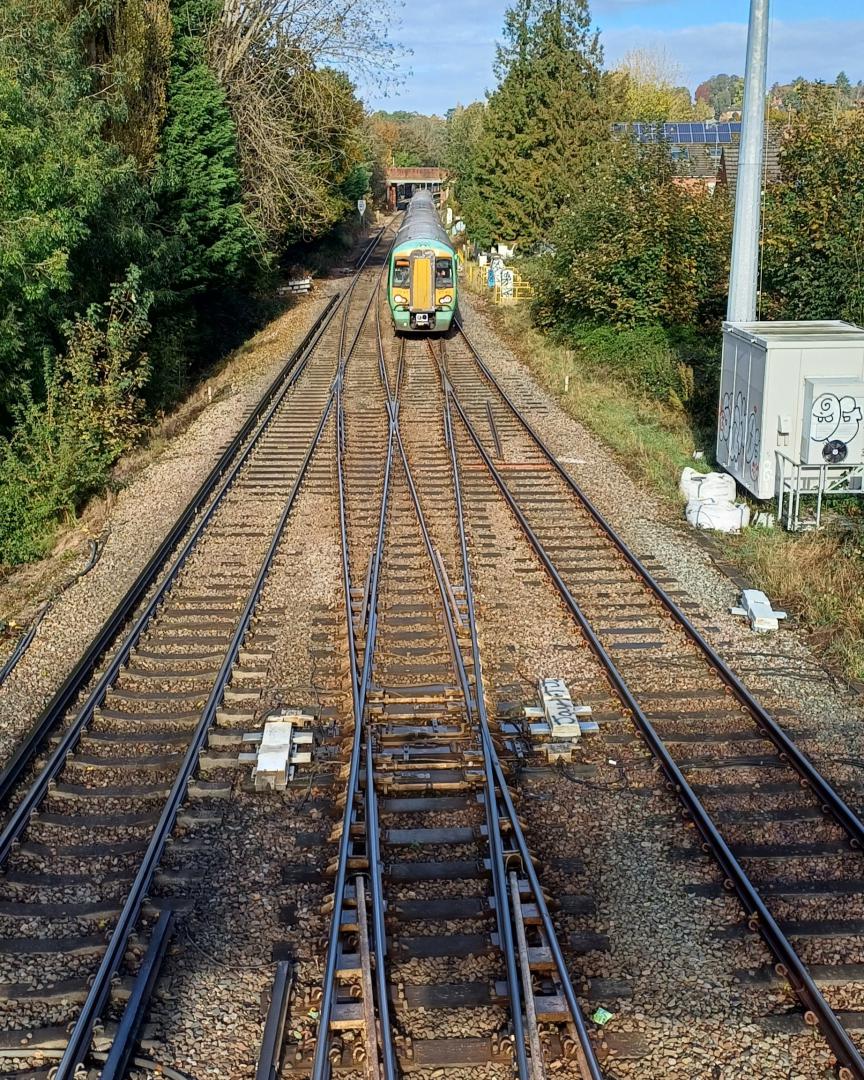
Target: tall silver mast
(743,279)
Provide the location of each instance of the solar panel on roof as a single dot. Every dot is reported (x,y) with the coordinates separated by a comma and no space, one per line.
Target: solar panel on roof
(708,132)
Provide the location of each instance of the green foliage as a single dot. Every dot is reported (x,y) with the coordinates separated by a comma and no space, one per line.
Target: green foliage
(57,176)
(722,93)
(356,184)
(120,148)
(650,359)
(63,448)
(813,254)
(409,139)
(197,183)
(634,247)
(464,132)
(544,122)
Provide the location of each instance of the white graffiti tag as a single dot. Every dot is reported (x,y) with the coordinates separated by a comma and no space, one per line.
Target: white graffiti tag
(834,418)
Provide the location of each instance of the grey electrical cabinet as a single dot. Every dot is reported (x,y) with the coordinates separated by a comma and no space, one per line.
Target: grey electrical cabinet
(791,386)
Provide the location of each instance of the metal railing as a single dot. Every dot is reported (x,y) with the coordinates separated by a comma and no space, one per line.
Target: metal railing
(507,288)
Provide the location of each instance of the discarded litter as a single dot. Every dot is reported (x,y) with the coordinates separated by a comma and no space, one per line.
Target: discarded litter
(756,607)
(602,1016)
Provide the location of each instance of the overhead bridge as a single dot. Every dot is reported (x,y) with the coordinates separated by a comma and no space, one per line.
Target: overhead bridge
(403,182)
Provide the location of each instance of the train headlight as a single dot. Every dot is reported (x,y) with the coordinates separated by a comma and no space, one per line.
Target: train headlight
(400,299)
(446,299)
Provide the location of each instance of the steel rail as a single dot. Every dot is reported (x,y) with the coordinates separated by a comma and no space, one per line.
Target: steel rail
(77,679)
(133,1015)
(82,1032)
(20,817)
(75,682)
(270,1054)
(258,424)
(493,819)
(831,800)
(271,1047)
(591,1067)
(321,1067)
(760,918)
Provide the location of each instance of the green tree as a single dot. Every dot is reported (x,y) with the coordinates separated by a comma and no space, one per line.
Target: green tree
(545,120)
(58,181)
(649,83)
(813,255)
(462,159)
(635,247)
(722,93)
(63,447)
(410,138)
(197,183)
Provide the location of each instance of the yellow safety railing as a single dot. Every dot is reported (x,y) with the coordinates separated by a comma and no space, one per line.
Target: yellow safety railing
(514,293)
(512,290)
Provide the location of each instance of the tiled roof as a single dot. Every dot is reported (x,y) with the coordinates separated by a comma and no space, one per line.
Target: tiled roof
(728,173)
(698,164)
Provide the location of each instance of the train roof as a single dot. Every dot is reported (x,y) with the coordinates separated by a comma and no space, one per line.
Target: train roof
(422,221)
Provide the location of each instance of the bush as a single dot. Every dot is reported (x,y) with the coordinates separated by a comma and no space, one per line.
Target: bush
(813,217)
(61,450)
(634,247)
(677,366)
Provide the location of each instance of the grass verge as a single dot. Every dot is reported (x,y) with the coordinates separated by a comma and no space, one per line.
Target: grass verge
(653,439)
(816,575)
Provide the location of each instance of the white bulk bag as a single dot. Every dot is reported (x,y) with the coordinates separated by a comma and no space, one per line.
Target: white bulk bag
(722,516)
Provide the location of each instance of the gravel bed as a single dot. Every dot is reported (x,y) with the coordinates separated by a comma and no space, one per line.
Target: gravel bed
(684,997)
(795,676)
(209,1016)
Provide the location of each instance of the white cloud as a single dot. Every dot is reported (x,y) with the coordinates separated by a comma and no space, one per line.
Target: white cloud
(458,66)
(814,48)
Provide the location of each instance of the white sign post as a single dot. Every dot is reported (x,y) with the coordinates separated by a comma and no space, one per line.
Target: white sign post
(361,206)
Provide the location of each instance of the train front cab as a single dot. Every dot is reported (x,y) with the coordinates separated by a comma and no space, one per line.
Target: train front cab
(423,290)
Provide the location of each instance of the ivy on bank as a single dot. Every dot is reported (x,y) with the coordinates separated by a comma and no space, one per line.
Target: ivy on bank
(134,247)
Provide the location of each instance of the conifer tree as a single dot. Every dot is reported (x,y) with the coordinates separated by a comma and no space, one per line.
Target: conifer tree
(545,120)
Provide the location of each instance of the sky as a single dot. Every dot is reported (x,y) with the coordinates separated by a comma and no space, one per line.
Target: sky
(453,42)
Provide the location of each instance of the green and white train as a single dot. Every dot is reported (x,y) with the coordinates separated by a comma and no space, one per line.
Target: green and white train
(421,286)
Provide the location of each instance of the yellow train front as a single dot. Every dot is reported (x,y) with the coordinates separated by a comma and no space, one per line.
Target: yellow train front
(421,285)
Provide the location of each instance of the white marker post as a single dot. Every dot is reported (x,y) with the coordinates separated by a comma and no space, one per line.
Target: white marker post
(361,208)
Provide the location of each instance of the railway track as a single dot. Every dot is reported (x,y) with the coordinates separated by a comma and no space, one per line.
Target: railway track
(83,849)
(787,844)
(442,953)
(443,948)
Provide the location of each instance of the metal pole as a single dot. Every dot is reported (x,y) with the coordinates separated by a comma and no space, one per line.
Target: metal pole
(748,197)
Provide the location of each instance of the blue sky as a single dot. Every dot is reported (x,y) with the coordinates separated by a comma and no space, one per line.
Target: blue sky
(815,40)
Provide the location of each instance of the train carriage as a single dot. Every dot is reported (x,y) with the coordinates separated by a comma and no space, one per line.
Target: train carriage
(422,278)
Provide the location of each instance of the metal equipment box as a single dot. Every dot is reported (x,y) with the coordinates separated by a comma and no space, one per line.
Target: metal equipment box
(771,377)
